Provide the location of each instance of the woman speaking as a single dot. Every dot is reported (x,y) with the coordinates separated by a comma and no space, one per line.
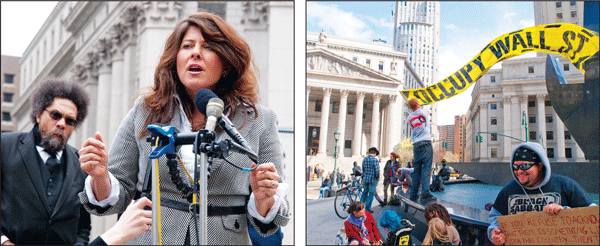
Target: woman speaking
(203,51)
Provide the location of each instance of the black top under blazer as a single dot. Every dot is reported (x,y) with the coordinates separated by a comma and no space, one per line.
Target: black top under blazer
(26,218)
(227,185)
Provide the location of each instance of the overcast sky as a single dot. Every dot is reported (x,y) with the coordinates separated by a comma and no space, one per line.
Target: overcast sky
(20,23)
(465,28)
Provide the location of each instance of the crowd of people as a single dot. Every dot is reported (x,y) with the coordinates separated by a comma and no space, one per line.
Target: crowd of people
(533,183)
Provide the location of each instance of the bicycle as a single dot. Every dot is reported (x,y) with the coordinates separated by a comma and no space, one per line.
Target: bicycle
(345,196)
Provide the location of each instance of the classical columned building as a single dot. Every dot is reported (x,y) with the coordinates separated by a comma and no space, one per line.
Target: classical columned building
(354,87)
(507,98)
(113,48)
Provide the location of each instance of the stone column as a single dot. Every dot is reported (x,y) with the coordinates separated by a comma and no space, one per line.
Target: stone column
(541,112)
(375,121)
(392,126)
(523,100)
(507,129)
(483,122)
(357,141)
(129,60)
(560,139)
(324,122)
(103,113)
(87,75)
(89,78)
(155,23)
(116,92)
(342,120)
(307,96)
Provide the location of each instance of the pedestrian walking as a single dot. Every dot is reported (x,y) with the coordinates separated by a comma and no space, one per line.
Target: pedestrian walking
(370,169)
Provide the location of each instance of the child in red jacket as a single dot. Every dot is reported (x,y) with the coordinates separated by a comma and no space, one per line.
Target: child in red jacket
(360,226)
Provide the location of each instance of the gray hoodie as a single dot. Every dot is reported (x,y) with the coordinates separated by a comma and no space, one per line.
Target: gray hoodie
(539,150)
(515,198)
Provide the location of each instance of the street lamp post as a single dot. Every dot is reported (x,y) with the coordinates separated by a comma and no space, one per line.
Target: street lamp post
(524,122)
(336,136)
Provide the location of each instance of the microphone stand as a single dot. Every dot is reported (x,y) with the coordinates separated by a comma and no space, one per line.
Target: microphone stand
(205,138)
(155,200)
(205,146)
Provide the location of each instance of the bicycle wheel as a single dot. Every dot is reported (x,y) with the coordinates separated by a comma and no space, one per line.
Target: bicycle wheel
(341,204)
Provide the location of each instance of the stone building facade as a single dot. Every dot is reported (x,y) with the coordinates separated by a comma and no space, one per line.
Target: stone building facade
(504,99)
(354,86)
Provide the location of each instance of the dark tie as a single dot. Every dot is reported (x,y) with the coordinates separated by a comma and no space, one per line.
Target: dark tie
(52,163)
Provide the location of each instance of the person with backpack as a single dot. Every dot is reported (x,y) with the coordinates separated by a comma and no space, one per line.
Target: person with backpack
(399,230)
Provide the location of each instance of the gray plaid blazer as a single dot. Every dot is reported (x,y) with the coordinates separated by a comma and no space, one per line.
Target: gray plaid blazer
(227,185)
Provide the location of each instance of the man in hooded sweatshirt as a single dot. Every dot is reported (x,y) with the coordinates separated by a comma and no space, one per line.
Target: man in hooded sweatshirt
(534,188)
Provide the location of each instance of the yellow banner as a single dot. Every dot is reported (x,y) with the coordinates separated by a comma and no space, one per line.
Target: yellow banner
(568,40)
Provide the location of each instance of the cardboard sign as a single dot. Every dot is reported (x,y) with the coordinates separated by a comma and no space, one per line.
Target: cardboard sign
(575,226)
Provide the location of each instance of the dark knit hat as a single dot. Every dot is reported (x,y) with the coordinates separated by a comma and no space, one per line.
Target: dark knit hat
(525,154)
(373,150)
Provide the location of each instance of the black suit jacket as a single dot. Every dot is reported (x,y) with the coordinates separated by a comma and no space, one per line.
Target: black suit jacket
(26,218)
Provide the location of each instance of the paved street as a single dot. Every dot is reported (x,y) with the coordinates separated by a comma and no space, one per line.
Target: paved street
(322,223)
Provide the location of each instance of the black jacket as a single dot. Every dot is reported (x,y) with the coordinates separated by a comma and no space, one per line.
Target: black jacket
(26,218)
(444,172)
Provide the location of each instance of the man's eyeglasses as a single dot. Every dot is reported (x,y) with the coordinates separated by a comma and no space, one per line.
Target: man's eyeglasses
(55,115)
(524,166)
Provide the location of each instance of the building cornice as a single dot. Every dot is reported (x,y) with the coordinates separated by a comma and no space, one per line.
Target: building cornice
(356,45)
(79,14)
(364,71)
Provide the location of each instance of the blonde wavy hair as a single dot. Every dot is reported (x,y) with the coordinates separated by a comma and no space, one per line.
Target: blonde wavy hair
(437,231)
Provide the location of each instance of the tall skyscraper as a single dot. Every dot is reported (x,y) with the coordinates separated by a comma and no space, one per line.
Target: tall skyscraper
(417,33)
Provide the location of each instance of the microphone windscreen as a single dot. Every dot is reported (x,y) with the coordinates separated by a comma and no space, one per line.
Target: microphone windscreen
(202,98)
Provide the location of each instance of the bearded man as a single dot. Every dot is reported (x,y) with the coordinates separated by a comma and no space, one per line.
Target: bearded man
(41,174)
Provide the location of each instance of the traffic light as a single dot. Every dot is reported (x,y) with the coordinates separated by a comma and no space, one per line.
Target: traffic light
(444,145)
(478,139)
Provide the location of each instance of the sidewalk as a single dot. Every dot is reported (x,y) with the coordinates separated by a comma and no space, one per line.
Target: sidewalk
(313,187)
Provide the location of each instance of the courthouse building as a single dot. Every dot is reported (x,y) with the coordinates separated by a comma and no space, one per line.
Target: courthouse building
(113,48)
(353,87)
(504,99)
(507,98)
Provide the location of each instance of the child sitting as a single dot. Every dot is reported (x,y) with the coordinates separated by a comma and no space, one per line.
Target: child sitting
(435,210)
(438,233)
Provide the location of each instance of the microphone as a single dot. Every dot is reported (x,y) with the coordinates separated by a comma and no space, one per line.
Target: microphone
(203,98)
(210,106)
